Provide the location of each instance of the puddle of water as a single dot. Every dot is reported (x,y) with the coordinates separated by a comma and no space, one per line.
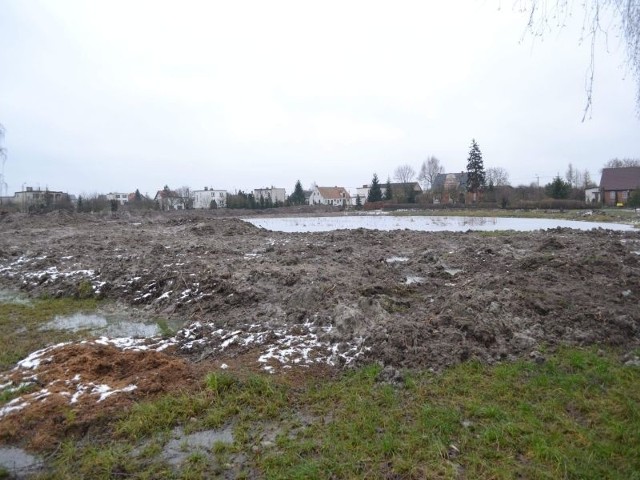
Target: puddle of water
(424,223)
(18,462)
(452,271)
(7,296)
(107,325)
(181,446)
(413,280)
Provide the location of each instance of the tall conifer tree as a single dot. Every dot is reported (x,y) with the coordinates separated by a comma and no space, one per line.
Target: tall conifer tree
(475,170)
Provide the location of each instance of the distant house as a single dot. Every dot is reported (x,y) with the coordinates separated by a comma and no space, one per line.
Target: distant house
(170,200)
(592,195)
(31,198)
(616,184)
(334,196)
(363,193)
(273,195)
(403,192)
(307,196)
(204,198)
(450,187)
(121,198)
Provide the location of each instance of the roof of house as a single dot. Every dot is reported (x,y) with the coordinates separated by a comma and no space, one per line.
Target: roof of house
(330,193)
(441,179)
(413,185)
(167,194)
(622,178)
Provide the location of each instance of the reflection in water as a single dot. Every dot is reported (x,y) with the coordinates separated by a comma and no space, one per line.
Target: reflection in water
(109,325)
(423,223)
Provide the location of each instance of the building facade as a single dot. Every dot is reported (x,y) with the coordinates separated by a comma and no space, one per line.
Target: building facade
(275,195)
(209,198)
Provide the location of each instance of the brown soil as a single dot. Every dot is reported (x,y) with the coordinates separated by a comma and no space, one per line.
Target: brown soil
(451,297)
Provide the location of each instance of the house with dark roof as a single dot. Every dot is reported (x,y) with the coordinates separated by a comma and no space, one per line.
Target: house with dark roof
(450,187)
(403,192)
(616,184)
(335,196)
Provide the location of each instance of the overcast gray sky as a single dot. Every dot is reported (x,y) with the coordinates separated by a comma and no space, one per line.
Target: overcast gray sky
(101,96)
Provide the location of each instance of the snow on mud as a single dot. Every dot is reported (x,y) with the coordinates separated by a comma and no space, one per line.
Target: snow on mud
(279,301)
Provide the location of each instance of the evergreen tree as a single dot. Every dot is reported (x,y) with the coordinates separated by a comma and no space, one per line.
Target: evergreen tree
(358,202)
(138,196)
(634,199)
(475,170)
(375,192)
(80,206)
(388,194)
(297,197)
(558,188)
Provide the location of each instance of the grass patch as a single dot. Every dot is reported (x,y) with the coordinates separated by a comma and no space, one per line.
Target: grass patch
(575,416)
(20,324)
(598,215)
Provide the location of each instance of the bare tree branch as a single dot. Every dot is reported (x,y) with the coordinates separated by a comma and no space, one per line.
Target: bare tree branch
(601,17)
(429,171)
(497,176)
(404,173)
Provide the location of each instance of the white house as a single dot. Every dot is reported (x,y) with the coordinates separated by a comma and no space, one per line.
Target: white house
(335,196)
(275,194)
(592,195)
(203,198)
(170,200)
(363,192)
(121,198)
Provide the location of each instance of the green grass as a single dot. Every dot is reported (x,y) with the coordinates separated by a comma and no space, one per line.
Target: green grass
(575,416)
(20,324)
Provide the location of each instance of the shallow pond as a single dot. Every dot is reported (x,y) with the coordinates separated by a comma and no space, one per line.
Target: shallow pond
(7,296)
(110,325)
(18,462)
(423,223)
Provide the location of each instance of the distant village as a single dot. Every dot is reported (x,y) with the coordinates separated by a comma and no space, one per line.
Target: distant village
(619,186)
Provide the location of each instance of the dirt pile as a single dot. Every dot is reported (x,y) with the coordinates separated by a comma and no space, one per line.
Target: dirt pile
(77,385)
(250,298)
(406,298)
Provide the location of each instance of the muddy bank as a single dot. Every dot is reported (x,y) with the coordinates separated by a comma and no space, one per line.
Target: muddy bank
(404,298)
(298,304)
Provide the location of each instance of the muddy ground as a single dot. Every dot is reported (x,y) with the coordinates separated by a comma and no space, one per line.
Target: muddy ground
(252,299)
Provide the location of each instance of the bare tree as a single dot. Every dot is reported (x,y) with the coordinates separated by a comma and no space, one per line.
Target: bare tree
(587,182)
(625,162)
(497,176)
(429,171)
(187,200)
(571,175)
(601,17)
(404,173)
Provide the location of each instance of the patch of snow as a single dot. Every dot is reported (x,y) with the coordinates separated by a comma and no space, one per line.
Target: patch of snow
(13,406)
(397,259)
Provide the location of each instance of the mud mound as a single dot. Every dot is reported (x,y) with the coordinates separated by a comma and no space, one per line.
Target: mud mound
(227,227)
(403,298)
(75,385)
